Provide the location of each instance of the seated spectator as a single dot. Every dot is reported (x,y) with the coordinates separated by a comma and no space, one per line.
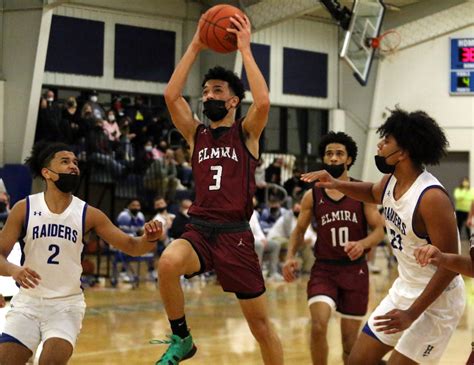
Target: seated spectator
(182,218)
(279,235)
(270,215)
(261,243)
(131,221)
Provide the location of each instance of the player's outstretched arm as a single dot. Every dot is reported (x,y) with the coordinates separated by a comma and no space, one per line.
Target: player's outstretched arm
(180,111)
(363,191)
(24,276)
(134,246)
(297,236)
(257,114)
(375,221)
(430,254)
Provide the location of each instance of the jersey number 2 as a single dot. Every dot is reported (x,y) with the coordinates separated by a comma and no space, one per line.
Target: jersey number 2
(55,249)
(217,177)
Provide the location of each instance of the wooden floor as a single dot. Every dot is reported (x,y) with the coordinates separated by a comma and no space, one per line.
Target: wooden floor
(119,323)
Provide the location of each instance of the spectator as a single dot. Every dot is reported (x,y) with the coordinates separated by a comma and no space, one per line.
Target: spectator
(463,198)
(70,122)
(131,221)
(270,215)
(294,186)
(97,109)
(49,118)
(4,208)
(100,151)
(273,171)
(145,157)
(279,236)
(160,177)
(111,127)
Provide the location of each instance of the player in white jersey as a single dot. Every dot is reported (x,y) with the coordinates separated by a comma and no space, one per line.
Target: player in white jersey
(50,227)
(423,307)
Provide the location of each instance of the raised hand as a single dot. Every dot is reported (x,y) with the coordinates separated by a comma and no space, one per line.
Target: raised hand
(242,30)
(428,254)
(322,178)
(153,231)
(196,41)
(26,277)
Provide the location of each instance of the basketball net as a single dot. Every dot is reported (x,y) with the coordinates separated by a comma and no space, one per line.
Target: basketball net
(386,43)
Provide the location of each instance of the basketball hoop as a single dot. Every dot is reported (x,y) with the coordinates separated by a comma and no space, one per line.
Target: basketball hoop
(387,43)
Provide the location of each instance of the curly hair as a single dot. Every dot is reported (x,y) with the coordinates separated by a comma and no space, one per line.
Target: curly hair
(41,155)
(341,138)
(418,134)
(220,73)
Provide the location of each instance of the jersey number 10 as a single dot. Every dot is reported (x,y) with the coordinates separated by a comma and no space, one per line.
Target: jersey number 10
(340,236)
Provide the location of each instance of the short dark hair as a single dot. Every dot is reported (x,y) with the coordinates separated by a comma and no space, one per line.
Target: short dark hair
(41,155)
(341,138)
(220,73)
(418,134)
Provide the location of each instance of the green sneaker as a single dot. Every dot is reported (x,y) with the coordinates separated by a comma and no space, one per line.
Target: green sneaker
(179,349)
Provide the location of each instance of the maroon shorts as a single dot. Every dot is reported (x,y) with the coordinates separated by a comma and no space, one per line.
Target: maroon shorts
(232,256)
(347,285)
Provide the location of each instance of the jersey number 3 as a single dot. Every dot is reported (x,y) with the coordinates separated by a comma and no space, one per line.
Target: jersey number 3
(217,177)
(55,249)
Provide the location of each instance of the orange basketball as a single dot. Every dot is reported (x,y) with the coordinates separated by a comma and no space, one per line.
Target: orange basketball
(213,28)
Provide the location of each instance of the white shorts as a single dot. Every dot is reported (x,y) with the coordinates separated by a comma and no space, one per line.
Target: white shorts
(31,320)
(426,339)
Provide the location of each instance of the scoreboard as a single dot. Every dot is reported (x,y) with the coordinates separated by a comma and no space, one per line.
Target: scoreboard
(462,66)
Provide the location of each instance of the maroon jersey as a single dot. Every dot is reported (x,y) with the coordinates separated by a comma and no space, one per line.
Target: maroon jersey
(337,222)
(224,175)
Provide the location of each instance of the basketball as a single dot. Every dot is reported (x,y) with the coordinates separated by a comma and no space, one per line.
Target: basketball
(213,28)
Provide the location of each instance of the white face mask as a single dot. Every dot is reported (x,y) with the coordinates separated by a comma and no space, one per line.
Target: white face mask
(148,148)
(94,98)
(50,100)
(111,118)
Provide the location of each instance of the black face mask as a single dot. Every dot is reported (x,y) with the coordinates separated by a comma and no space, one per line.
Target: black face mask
(383,166)
(296,214)
(334,170)
(67,183)
(134,211)
(160,210)
(215,110)
(3,207)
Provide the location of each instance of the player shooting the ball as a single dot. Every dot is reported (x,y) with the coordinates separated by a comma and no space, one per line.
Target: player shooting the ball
(224,158)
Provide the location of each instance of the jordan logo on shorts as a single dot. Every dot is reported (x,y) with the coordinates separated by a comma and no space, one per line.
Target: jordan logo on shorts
(428,350)
(321,201)
(241,243)
(361,272)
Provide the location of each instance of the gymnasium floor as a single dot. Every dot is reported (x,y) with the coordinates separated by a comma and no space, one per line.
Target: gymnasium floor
(119,323)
